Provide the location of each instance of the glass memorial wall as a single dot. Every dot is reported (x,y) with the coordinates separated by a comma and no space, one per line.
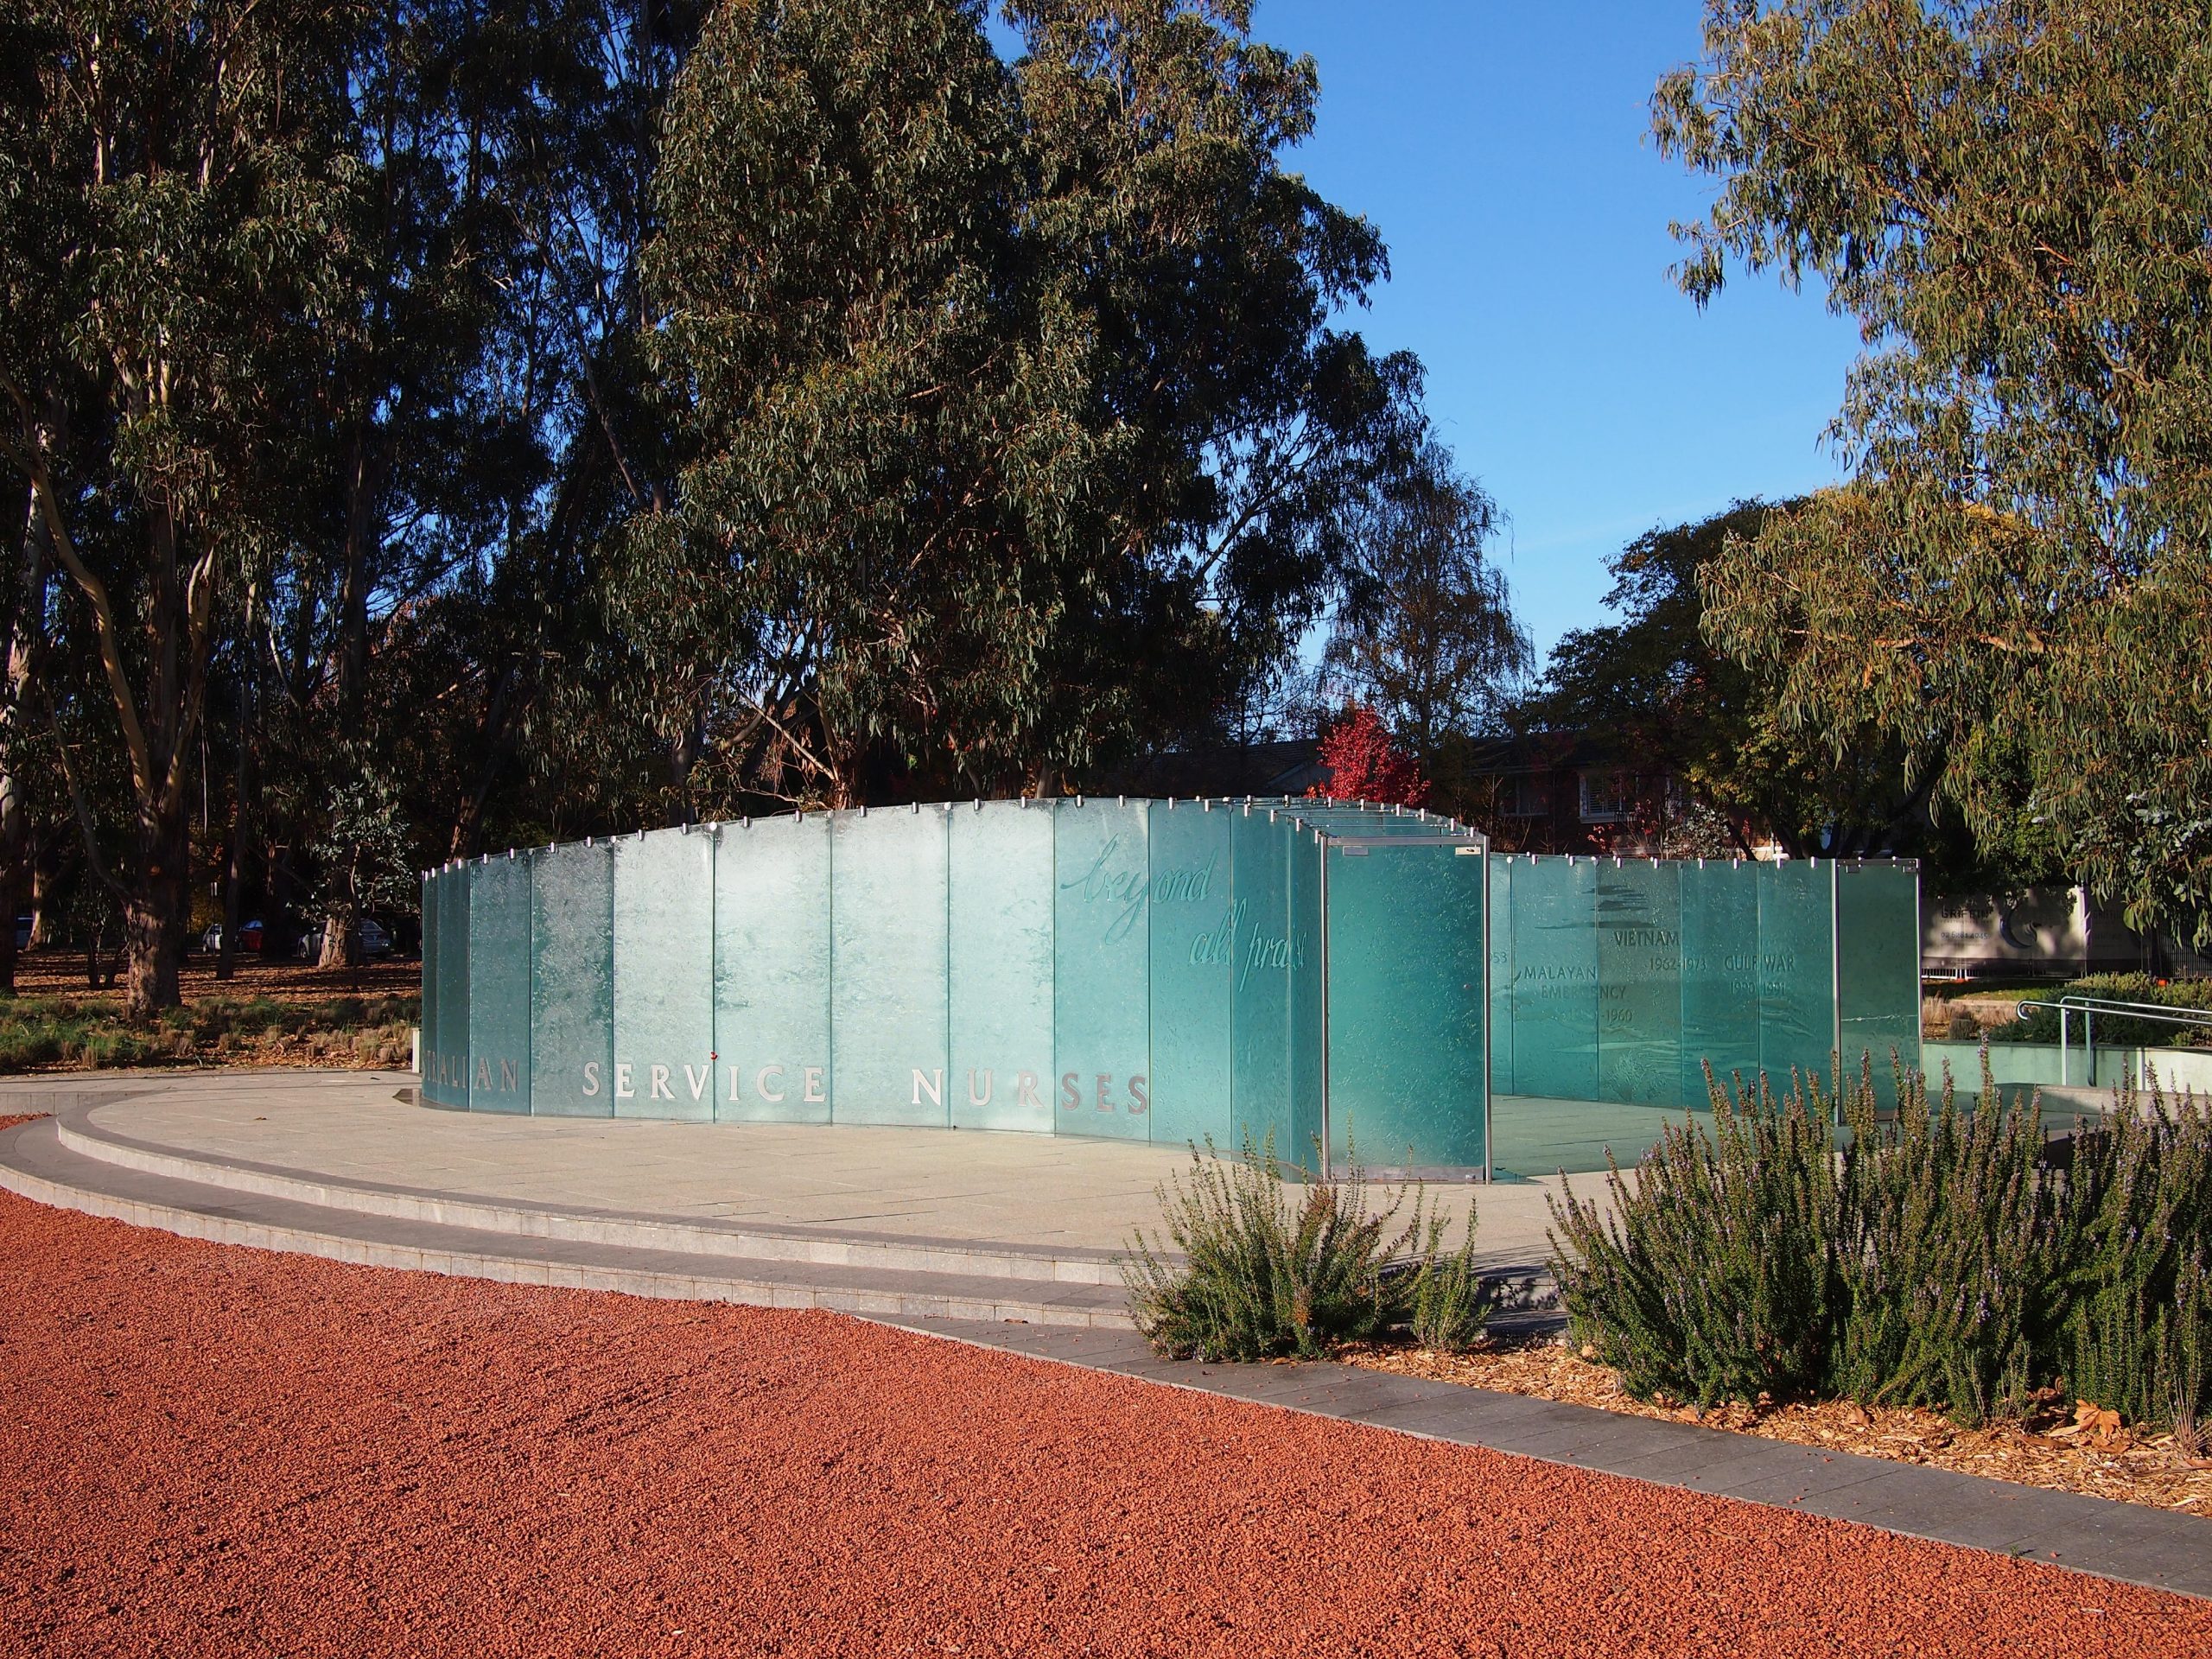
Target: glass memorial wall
(1146,970)
(1329,975)
(1616,981)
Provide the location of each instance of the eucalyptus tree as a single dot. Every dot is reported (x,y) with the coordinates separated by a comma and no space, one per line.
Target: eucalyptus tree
(1011,429)
(2012,198)
(1426,635)
(1656,687)
(174,210)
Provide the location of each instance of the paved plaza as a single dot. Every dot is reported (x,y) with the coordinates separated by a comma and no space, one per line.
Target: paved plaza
(947,1186)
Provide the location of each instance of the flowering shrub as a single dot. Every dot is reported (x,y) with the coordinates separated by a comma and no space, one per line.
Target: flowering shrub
(1946,1257)
(1365,764)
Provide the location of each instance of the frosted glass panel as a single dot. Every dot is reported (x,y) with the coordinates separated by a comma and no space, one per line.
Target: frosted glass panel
(1796,984)
(771,971)
(1307,998)
(1555,978)
(887,876)
(1102,954)
(428,1052)
(1405,983)
(664,976)
(498,989)
(1263,955)
(1151,970)
(1877,962)
(1001,966)
(451,1088)
(1721,983)
(1639,982)
(1194,929)
(572,981)
(1500,977)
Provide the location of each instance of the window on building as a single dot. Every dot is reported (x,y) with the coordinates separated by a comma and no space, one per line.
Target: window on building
(1606,796)
(1526,796)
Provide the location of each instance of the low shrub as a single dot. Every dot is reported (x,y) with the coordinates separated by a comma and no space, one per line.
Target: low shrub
(1946,1250)
(1715,1277)
(60,1031)
(2118,1030)
(1262,1278)
(1451,1305)
(1946,1256)
(2138,1333)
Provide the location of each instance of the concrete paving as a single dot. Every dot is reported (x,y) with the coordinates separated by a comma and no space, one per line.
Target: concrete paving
(352,1127)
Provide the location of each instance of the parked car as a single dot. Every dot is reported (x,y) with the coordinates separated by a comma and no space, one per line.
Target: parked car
(369,935)
(250,935)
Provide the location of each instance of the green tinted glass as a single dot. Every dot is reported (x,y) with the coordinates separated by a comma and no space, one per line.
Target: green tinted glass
(1001,966)
(1102,953)
(1639,982)
(1405,983)
(1262,955)
(498,987)
(888,928)
(1555,978)
(664,976)
(1877,970)
(451,1088)
(572,981)
(1796,984)
(427,1051)
(1193,939)
(1720,978)
(1309,1009)
(771,971)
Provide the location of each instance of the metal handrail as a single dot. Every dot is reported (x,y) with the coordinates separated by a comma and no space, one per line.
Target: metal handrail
(2089,1007)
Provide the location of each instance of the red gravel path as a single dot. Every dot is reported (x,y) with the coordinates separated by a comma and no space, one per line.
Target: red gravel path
(217,1451)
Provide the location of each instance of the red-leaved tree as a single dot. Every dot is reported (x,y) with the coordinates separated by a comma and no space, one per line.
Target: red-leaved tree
(1365,764)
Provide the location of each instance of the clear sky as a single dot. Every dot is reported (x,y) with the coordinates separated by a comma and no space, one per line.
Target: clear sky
(1502,150)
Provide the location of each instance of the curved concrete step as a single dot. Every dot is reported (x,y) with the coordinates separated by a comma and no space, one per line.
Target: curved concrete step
(36,1163)
(81,1132)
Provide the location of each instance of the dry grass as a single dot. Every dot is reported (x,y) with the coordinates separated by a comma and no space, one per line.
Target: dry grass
(274,1013)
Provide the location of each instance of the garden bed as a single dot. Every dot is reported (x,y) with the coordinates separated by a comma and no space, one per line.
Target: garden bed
(271,1013)
(2047,1449)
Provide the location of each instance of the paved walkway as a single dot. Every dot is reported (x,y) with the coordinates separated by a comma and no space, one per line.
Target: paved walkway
(935,1184)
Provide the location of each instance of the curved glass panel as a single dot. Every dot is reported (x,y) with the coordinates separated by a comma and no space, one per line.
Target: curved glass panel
(1001,963)
(773,970)
(1193,938)
(498,987)
(888,939)
(572,981)
(1405,980)
(664,976)
(1102,1014)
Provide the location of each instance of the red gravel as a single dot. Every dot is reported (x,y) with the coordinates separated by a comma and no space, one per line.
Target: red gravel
(218,1451)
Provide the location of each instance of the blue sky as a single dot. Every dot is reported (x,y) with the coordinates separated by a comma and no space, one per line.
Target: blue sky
(1501,149)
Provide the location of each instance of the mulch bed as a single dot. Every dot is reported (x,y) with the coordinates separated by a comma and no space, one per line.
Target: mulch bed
(208,1450)
(2059,1445)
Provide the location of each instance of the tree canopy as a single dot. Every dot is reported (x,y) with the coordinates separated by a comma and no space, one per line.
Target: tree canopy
(438,425)
(2016,585)
(1018,432)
